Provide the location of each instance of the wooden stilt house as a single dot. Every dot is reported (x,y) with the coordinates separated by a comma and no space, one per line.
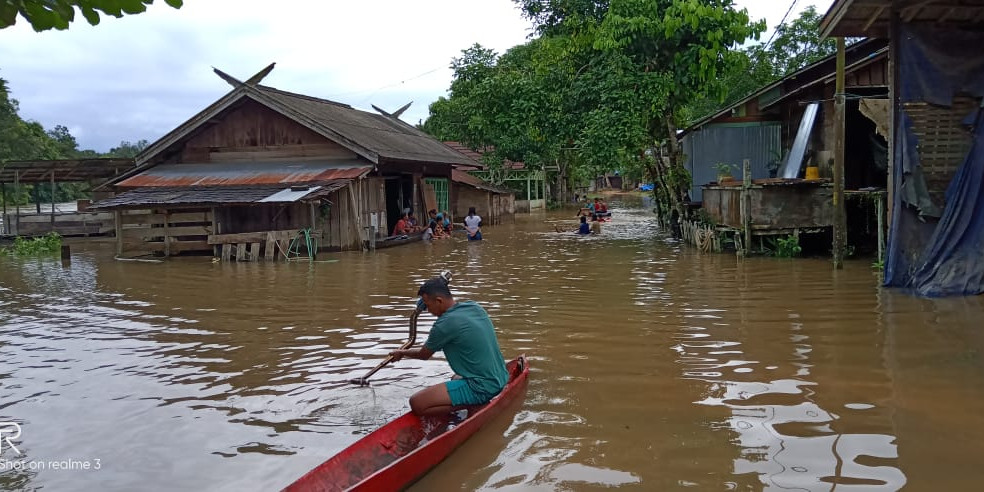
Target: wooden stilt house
(268,173)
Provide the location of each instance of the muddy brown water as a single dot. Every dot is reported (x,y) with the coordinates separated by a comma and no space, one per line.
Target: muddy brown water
(653,368)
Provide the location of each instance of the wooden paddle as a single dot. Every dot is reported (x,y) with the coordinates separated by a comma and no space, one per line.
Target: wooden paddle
(364,380)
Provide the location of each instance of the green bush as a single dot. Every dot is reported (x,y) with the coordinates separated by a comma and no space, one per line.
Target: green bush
(784,247)
(40,246)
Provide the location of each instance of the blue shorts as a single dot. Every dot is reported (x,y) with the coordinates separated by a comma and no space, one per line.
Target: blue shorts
(461,394)
(476,237)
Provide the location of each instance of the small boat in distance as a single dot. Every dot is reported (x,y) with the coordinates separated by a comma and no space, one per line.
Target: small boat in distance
(400,452)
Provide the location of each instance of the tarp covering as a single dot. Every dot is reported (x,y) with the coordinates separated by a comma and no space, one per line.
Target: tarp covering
(944,257)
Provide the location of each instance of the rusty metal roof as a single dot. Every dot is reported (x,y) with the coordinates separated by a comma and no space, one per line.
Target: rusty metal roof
(476,182)
(216,195)
(245,174)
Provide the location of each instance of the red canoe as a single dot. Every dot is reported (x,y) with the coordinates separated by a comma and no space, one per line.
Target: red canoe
(400,452)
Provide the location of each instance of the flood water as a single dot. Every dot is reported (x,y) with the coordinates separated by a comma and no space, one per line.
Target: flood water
(653,367)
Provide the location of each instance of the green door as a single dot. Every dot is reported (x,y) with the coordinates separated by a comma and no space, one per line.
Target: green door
(440,186)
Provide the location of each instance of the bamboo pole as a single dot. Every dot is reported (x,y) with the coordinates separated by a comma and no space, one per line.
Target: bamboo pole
(840,211)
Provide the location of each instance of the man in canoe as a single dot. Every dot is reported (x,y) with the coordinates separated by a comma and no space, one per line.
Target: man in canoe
(465,333)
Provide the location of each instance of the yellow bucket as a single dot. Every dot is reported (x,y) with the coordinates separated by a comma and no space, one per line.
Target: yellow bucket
(812,173)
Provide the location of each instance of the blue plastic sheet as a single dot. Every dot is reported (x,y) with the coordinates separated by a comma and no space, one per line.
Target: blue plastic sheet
(944,257)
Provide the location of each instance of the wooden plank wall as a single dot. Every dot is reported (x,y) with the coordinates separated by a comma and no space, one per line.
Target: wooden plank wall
(251,246)
(163,232)
(351,211)
(66,224)
(253,132)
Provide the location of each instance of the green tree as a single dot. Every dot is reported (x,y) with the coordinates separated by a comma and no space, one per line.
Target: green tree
(27,140)
(798,43)
(684,43)
(127,149)
(58,14)
(795,45)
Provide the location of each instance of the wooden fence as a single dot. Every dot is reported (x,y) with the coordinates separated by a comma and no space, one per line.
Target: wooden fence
(66,224)
(145,232)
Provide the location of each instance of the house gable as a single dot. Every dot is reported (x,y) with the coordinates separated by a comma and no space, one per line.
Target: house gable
(252,132)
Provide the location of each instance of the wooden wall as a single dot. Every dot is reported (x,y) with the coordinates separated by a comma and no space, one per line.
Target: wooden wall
(253,132)
(494,208)
(352,210)
(162,232)
(261,218)
(772,207)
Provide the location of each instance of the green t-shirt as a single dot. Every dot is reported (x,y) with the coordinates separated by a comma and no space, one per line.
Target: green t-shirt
(467,337)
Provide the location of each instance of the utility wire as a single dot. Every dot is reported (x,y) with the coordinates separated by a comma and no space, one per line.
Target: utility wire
(781,23)
(387,86)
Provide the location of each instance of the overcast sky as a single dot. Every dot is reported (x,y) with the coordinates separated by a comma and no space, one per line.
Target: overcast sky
(140,76)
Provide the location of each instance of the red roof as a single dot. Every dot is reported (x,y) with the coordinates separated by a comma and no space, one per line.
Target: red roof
(477,156)
(476,182)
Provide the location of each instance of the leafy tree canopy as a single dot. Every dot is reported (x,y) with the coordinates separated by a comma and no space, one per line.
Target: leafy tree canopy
(22,140)
(58,14)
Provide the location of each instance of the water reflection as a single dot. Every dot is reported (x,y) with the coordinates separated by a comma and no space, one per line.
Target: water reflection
(652,368)
(787,438)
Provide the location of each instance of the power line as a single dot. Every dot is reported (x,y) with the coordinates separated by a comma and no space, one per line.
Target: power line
(387,86)
(778,26)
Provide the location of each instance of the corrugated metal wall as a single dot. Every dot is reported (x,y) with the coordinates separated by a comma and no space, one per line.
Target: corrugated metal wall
(732,145)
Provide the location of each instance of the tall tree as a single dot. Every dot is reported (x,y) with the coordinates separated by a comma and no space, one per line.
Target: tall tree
(685,43)
(798,43)
(58,14)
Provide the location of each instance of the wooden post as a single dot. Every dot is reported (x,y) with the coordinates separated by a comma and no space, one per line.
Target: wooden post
(52,201)
(894,107)
(118,218)
(840,211)
(16,206)
(880,211)
(746,203)
(167,238)
(529,195)
(3,198)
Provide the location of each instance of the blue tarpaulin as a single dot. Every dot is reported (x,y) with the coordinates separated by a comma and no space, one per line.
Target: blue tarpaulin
(943,257)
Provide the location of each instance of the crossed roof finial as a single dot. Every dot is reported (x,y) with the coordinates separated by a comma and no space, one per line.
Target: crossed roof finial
(252,81)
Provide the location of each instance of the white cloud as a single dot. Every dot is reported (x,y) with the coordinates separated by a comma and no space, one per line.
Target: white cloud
(140,76)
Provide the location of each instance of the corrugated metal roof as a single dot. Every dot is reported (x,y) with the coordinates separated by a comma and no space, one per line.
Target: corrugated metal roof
(214,195)
(871,45)
(290,194)
(245,174)
(465,178)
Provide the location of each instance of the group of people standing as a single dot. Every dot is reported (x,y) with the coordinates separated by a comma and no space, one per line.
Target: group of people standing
(439,225)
